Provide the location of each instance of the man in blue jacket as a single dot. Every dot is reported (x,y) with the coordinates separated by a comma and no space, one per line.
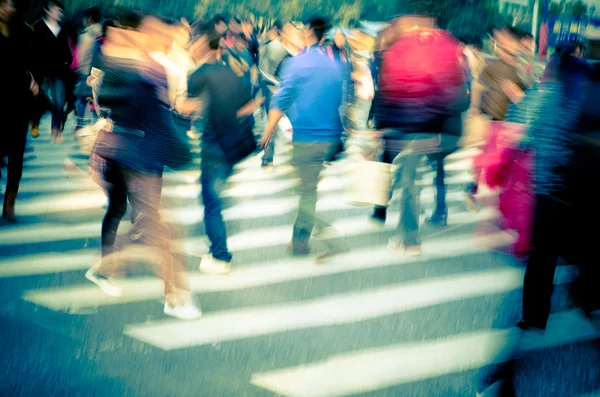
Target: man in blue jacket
(311,96)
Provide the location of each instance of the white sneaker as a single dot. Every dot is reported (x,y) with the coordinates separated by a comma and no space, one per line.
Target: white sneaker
(188,311)
(210,265)
(107,285)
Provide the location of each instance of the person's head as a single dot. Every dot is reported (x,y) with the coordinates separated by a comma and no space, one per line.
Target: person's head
(235,25)
(315,29)
(292,38)
(421,8)
(507,43)
(220,24)
(7,10)
(276,28)
(54,11)
(160,33)
(247,28)
(205,40)
(92,16)
(240,42)
(339,39)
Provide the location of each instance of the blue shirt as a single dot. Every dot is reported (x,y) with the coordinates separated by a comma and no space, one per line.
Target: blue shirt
(311,96)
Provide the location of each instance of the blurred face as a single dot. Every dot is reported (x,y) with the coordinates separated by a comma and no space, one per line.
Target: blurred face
(235,27)
(240,44)
(292,37)
(221,27)
(199,48)
(339,39)
(54,13)
(506,45)
(247,28)
(159,35)
(7,10)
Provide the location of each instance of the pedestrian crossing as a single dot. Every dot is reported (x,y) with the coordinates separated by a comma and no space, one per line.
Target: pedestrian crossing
(464,272)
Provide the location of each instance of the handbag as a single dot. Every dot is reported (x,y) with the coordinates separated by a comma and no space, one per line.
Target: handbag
(175,151)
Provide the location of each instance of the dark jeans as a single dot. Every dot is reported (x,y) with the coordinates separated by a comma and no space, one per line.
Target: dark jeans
(309,159)
(549,228)
(407,151)
(439,181)
(57,86)
(269,152)
(213,178)
(81,95)
(13,135)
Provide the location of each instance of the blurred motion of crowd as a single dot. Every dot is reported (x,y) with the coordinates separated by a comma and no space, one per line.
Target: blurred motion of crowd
(140,85)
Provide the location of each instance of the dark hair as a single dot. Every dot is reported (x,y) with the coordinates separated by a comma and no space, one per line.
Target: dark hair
(319,25)
(218,19)
(235,19)
(423,8)
(214,39)
(129,19)
(93,14)
(50,3)
(277,25)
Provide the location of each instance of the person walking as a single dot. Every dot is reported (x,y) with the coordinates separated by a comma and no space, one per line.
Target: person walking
(311,95)
(227,137)
(86,44)
(16,98)
(272,57)
(53,59)
(129,157)
(414,112)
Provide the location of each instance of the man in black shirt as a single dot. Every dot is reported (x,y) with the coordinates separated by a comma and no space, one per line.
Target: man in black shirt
(53,62)
(226,139)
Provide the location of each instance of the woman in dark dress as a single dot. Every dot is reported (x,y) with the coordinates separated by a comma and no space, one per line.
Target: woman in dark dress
(16,98)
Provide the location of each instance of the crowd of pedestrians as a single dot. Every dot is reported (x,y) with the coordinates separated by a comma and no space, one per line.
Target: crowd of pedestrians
(410,90)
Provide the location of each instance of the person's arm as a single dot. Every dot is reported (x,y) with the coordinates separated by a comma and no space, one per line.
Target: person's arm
(282,101)
(478,87)
(250,107)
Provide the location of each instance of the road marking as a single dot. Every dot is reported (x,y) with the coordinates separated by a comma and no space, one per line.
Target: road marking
(47,263)
(252,276)
(375,369)
(337,309)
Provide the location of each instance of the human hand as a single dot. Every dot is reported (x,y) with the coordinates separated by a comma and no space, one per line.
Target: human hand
(34,88)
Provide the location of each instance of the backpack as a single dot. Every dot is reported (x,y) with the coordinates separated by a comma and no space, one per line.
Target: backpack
(421,79)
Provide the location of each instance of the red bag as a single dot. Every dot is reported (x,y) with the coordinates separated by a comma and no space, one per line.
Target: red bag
(510,169)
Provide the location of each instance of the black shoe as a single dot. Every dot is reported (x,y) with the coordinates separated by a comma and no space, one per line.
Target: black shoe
(439,219)
(379,215)
(530,327)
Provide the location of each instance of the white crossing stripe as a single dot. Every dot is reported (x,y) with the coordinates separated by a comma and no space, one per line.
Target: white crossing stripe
(47,263)
(375,369)
(333,310)
(251,276)
(347,227)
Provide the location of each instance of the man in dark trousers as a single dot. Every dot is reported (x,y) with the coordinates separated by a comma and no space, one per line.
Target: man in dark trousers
(227,137)
(53,61)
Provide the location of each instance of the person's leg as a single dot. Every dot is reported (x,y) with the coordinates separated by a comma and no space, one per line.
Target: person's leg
(116,192)
(117,206)
(541,266)
(308,159)
(58,88)
(269,153)
(409,202)
(213,178)
(380,212)
(440,213)
(15,145)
